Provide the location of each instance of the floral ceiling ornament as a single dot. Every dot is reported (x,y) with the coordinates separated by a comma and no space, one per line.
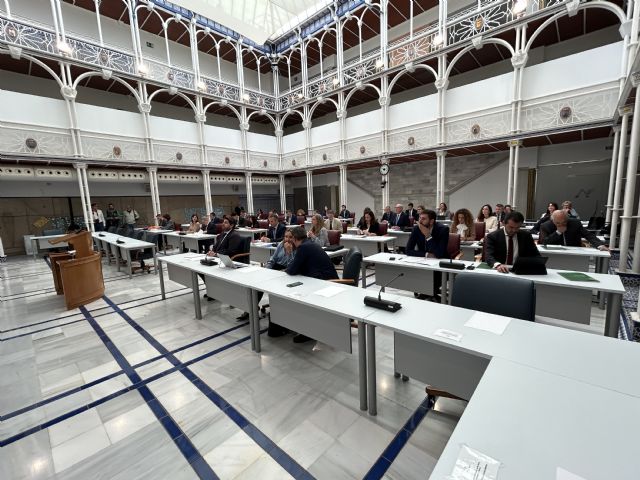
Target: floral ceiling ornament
(475,129)
(117,151)
(31,143)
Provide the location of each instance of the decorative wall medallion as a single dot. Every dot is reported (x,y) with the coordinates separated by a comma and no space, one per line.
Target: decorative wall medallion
(565,113)
(293,162)
(227,160)
(475,129)
(221,89)
(363,149)
(179,156)
(104,57)
(265,163)
(478,23)
(11,32)
(170,76)
(31,143)
(360,72)
(411,140)
(117,151)
(324,157)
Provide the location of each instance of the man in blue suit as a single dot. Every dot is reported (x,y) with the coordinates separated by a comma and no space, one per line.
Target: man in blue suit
(276,230)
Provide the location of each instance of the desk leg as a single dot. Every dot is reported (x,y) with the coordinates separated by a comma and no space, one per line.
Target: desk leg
(161,274)
(612,320)
(604,268)
(155,259)
(196,295)
(371,369)
(117,249)
(444,287)
(255,332)
(34,248)
(129,263)
(362,363)
(364,275)
(452,277)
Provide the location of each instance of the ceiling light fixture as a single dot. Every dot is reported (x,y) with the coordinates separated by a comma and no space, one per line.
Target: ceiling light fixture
(437,40)
(64,48)
(519,7)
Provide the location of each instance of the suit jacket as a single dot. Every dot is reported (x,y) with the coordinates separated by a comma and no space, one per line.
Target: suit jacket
(496,249)
(211,228)
(344,213)
(437,244)
(335,225)
(399,220)
(230,243)
(312,261)
(293,219)
(412,213)
(386,216)
(276,234)
(572,237)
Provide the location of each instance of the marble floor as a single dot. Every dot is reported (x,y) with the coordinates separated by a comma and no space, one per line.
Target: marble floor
(131,386)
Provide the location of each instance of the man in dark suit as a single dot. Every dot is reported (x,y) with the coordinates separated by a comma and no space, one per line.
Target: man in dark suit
(412,212)
(344,213)
(311,261)
(400,219)
(428,238)
(387,215)
(211,226)
(567,231)
(506,244)
(275,232)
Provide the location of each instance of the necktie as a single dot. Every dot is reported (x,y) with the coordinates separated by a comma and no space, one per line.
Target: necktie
(510,251)
(564,240)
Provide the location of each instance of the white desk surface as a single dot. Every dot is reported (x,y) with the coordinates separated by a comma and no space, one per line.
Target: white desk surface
(572,251)
(48,237)
(154,230)
(370,239)
(534,422)
(270,246)
(203,236)
(129,243)
(606,283)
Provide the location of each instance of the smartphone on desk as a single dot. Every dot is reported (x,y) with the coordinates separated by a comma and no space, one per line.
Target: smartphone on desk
(295,284)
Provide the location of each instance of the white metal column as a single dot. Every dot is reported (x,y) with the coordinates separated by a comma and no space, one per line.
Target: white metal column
(622,153)
(309,189)
(516,161)
(249,192)
(283,193)
(343,185)
(206,184)
(612,174)
(441,154)
(79,167)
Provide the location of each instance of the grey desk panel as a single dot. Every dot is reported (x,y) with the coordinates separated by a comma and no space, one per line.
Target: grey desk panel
(227,292)
(571,305)
(413,280)
(179,274)
(329,328)
(576,263)
(442,367)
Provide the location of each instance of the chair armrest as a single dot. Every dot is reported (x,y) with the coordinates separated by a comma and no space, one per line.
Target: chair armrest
(346,281)
(458,256)
(240,255)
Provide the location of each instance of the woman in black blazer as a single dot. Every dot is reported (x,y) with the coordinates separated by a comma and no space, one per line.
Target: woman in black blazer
(370,225)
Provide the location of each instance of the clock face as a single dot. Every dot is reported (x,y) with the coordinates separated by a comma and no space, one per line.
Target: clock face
(384,169)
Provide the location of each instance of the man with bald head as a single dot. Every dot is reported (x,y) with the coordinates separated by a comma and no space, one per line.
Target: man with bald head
(561,229)
(399,220)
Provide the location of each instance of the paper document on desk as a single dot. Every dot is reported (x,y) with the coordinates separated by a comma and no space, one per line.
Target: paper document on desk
(420,260)
(562,474)
(489,323)
(248,269)
(329,291)
(474,465)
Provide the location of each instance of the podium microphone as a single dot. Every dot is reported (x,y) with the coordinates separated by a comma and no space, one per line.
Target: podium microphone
(378,302)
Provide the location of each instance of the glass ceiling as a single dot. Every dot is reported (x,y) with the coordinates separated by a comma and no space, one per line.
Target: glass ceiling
(257,20)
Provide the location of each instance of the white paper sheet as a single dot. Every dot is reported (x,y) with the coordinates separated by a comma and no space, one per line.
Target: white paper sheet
(247,269)
(328,292)
(562,474)
(488,323)
(474,465)
(448,334)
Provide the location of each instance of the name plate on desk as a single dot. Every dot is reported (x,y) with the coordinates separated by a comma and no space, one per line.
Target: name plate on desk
(474,465)
(448,334)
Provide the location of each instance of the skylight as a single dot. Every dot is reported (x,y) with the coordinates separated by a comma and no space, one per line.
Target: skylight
(257,20)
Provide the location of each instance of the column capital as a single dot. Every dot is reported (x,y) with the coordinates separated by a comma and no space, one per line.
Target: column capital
(340,113)
(441,83)
(519,60)
(144,107)
(152,169)
(306,124)
(616,129)
(244,126)
(309,173)
(200,117)
(279,132)
(69,93)
(383,101)
(635,79)
(205,171)
(515,143)
(248,174)
(80,166)
(441,153)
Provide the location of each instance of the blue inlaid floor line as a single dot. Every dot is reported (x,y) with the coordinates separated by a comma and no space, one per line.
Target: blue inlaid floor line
(270,447)
(190,452)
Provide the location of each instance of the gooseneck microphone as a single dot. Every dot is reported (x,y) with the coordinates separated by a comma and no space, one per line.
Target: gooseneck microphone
(378,302)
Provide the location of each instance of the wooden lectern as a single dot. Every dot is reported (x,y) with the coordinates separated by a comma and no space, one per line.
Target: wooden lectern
(77,274)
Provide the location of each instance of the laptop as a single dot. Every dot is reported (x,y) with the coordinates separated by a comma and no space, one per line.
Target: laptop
(530,266)
(227,262)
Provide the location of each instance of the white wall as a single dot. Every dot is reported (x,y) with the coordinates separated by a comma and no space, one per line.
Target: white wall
(496,91)
(261,143)
(423,109)
(293,142)
(173,130)
(324,134)
(33,110)
(358,199)
(366,124)
(223,137)
(103,120)
(491,187)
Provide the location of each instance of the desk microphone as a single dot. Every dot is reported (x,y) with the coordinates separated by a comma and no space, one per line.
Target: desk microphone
(378,302)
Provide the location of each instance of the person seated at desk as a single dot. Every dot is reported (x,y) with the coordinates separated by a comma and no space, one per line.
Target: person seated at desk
(546,216)
(311,261)
(412,212)
(168,223)
(486,215)
(194,225)
(344,213)
(290,218)
(332,223)
(368,225)
(284,254)
(568,207)
(317,233)
(567,231)
(508,243)
(499,213)
(463,225)
(211,226)
(399,219)
(204,224)
(386,214)
(275,232)
(428,238)
(443,213)
(229,243)
(214,219)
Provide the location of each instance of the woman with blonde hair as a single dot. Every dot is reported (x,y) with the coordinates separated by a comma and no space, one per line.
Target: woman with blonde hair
(463,225)
(317,233)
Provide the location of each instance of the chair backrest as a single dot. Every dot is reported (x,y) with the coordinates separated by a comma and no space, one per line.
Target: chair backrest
(345,225)
(301,219)
(263,223)
(412,220)
(218,228)
(352,264)
(57,231)
(112,229)
(453,247)
(246,248)
(383,228)
(480,229)
(353,215)
(139,234)
(508,296)
(264,216)
(334,237)
(281,218)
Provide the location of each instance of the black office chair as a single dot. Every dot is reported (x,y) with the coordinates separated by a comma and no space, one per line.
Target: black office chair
(517,299)
(351,269)
(112,229)
(244,256)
